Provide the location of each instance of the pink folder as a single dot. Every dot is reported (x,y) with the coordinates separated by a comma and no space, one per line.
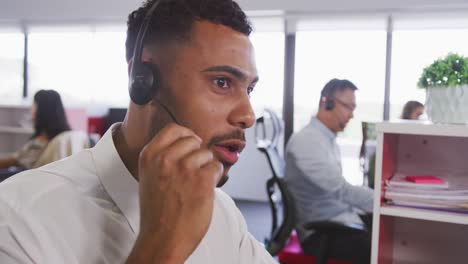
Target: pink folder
(424,179)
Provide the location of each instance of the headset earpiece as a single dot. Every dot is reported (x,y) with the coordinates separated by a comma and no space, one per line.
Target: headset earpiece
(329,103)
(144,75)
(142,83)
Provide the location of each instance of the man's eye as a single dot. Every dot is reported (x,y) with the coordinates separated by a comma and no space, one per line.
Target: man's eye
(222,83)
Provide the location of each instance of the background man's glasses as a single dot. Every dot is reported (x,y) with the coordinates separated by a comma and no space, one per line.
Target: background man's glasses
(350,107)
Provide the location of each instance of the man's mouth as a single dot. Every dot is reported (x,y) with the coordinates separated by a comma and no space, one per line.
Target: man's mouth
(228,150)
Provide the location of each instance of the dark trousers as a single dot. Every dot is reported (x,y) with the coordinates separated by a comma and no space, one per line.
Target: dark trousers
(355,246)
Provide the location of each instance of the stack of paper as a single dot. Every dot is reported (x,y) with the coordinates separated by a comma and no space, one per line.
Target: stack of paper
(451,195)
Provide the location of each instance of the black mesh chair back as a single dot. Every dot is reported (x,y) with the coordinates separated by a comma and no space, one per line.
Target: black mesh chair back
(281,203)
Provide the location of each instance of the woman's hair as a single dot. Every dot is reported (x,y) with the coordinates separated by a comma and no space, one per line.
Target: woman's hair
(409,108)
(50,115)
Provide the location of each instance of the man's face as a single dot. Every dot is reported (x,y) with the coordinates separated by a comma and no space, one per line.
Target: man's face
(207,88)
(345,104)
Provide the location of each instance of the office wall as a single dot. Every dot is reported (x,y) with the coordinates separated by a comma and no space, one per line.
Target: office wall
(72,10)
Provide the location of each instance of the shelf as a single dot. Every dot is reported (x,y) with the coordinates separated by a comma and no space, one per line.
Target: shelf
(16,130)
(431,215)
(423,128)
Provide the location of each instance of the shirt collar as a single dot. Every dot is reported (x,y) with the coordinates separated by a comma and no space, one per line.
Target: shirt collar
(322,128)
(116,179)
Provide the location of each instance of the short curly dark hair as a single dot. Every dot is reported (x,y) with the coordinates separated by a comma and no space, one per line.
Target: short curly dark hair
(173,19)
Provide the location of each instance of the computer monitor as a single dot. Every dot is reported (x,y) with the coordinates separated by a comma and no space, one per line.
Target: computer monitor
(115,115)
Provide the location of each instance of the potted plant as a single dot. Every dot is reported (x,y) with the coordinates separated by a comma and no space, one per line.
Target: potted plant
(446,84)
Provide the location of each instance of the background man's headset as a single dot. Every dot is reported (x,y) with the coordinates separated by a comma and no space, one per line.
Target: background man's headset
(329,103)
(326,95)
(144,76)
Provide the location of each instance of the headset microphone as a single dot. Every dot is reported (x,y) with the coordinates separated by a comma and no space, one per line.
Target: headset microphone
(167,110)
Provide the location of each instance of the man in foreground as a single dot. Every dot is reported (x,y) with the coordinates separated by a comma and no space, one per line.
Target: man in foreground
(146,193)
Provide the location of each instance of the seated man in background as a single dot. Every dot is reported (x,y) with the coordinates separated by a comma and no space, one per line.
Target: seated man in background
(49,120)
(315,177)
(146,193)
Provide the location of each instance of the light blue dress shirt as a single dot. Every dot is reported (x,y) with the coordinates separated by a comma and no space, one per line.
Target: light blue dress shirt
(315,178)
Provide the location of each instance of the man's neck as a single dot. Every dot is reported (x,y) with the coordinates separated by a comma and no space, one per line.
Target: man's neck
(129,155)
(322,117)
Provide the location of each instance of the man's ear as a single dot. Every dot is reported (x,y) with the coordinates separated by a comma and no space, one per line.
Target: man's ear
(323,101)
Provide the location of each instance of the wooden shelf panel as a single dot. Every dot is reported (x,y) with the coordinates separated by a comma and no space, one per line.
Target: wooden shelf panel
(422,214)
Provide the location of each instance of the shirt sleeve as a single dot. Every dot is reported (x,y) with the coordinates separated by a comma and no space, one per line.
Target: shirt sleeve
(358,196)
(29,153)
(325,174)
(250,250)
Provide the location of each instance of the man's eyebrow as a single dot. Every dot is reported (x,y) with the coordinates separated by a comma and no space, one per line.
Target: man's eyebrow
(229,69)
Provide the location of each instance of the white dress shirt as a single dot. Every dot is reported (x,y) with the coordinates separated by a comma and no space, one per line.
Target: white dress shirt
(85,209)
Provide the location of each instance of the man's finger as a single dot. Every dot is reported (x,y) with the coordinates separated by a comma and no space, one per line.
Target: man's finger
(180,148)
(211,173)
(197,159)
(166,137)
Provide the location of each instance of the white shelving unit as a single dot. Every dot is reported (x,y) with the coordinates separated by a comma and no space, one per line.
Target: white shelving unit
(437,216)
(412,235)
(13,134)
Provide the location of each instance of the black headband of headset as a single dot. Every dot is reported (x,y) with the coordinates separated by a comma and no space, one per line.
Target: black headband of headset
(138,49)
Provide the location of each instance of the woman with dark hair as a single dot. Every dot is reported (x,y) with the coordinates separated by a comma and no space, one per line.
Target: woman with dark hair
(412,110)
(49,119)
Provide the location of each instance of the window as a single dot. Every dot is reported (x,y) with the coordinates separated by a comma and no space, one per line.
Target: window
(252,170)
(86,66)
(268,42)
(11,66)
(344,50)
(415,46)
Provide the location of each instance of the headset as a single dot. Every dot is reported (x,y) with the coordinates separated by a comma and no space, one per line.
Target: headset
(326,96)
(329,104)
(144,76)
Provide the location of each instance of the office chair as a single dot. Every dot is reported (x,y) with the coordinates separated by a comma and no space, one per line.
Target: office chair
(283,241)
(367,152)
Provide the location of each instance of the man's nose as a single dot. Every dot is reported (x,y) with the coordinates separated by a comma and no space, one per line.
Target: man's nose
(243,115)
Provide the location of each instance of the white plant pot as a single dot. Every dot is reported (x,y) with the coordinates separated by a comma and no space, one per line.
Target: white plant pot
(447,104)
